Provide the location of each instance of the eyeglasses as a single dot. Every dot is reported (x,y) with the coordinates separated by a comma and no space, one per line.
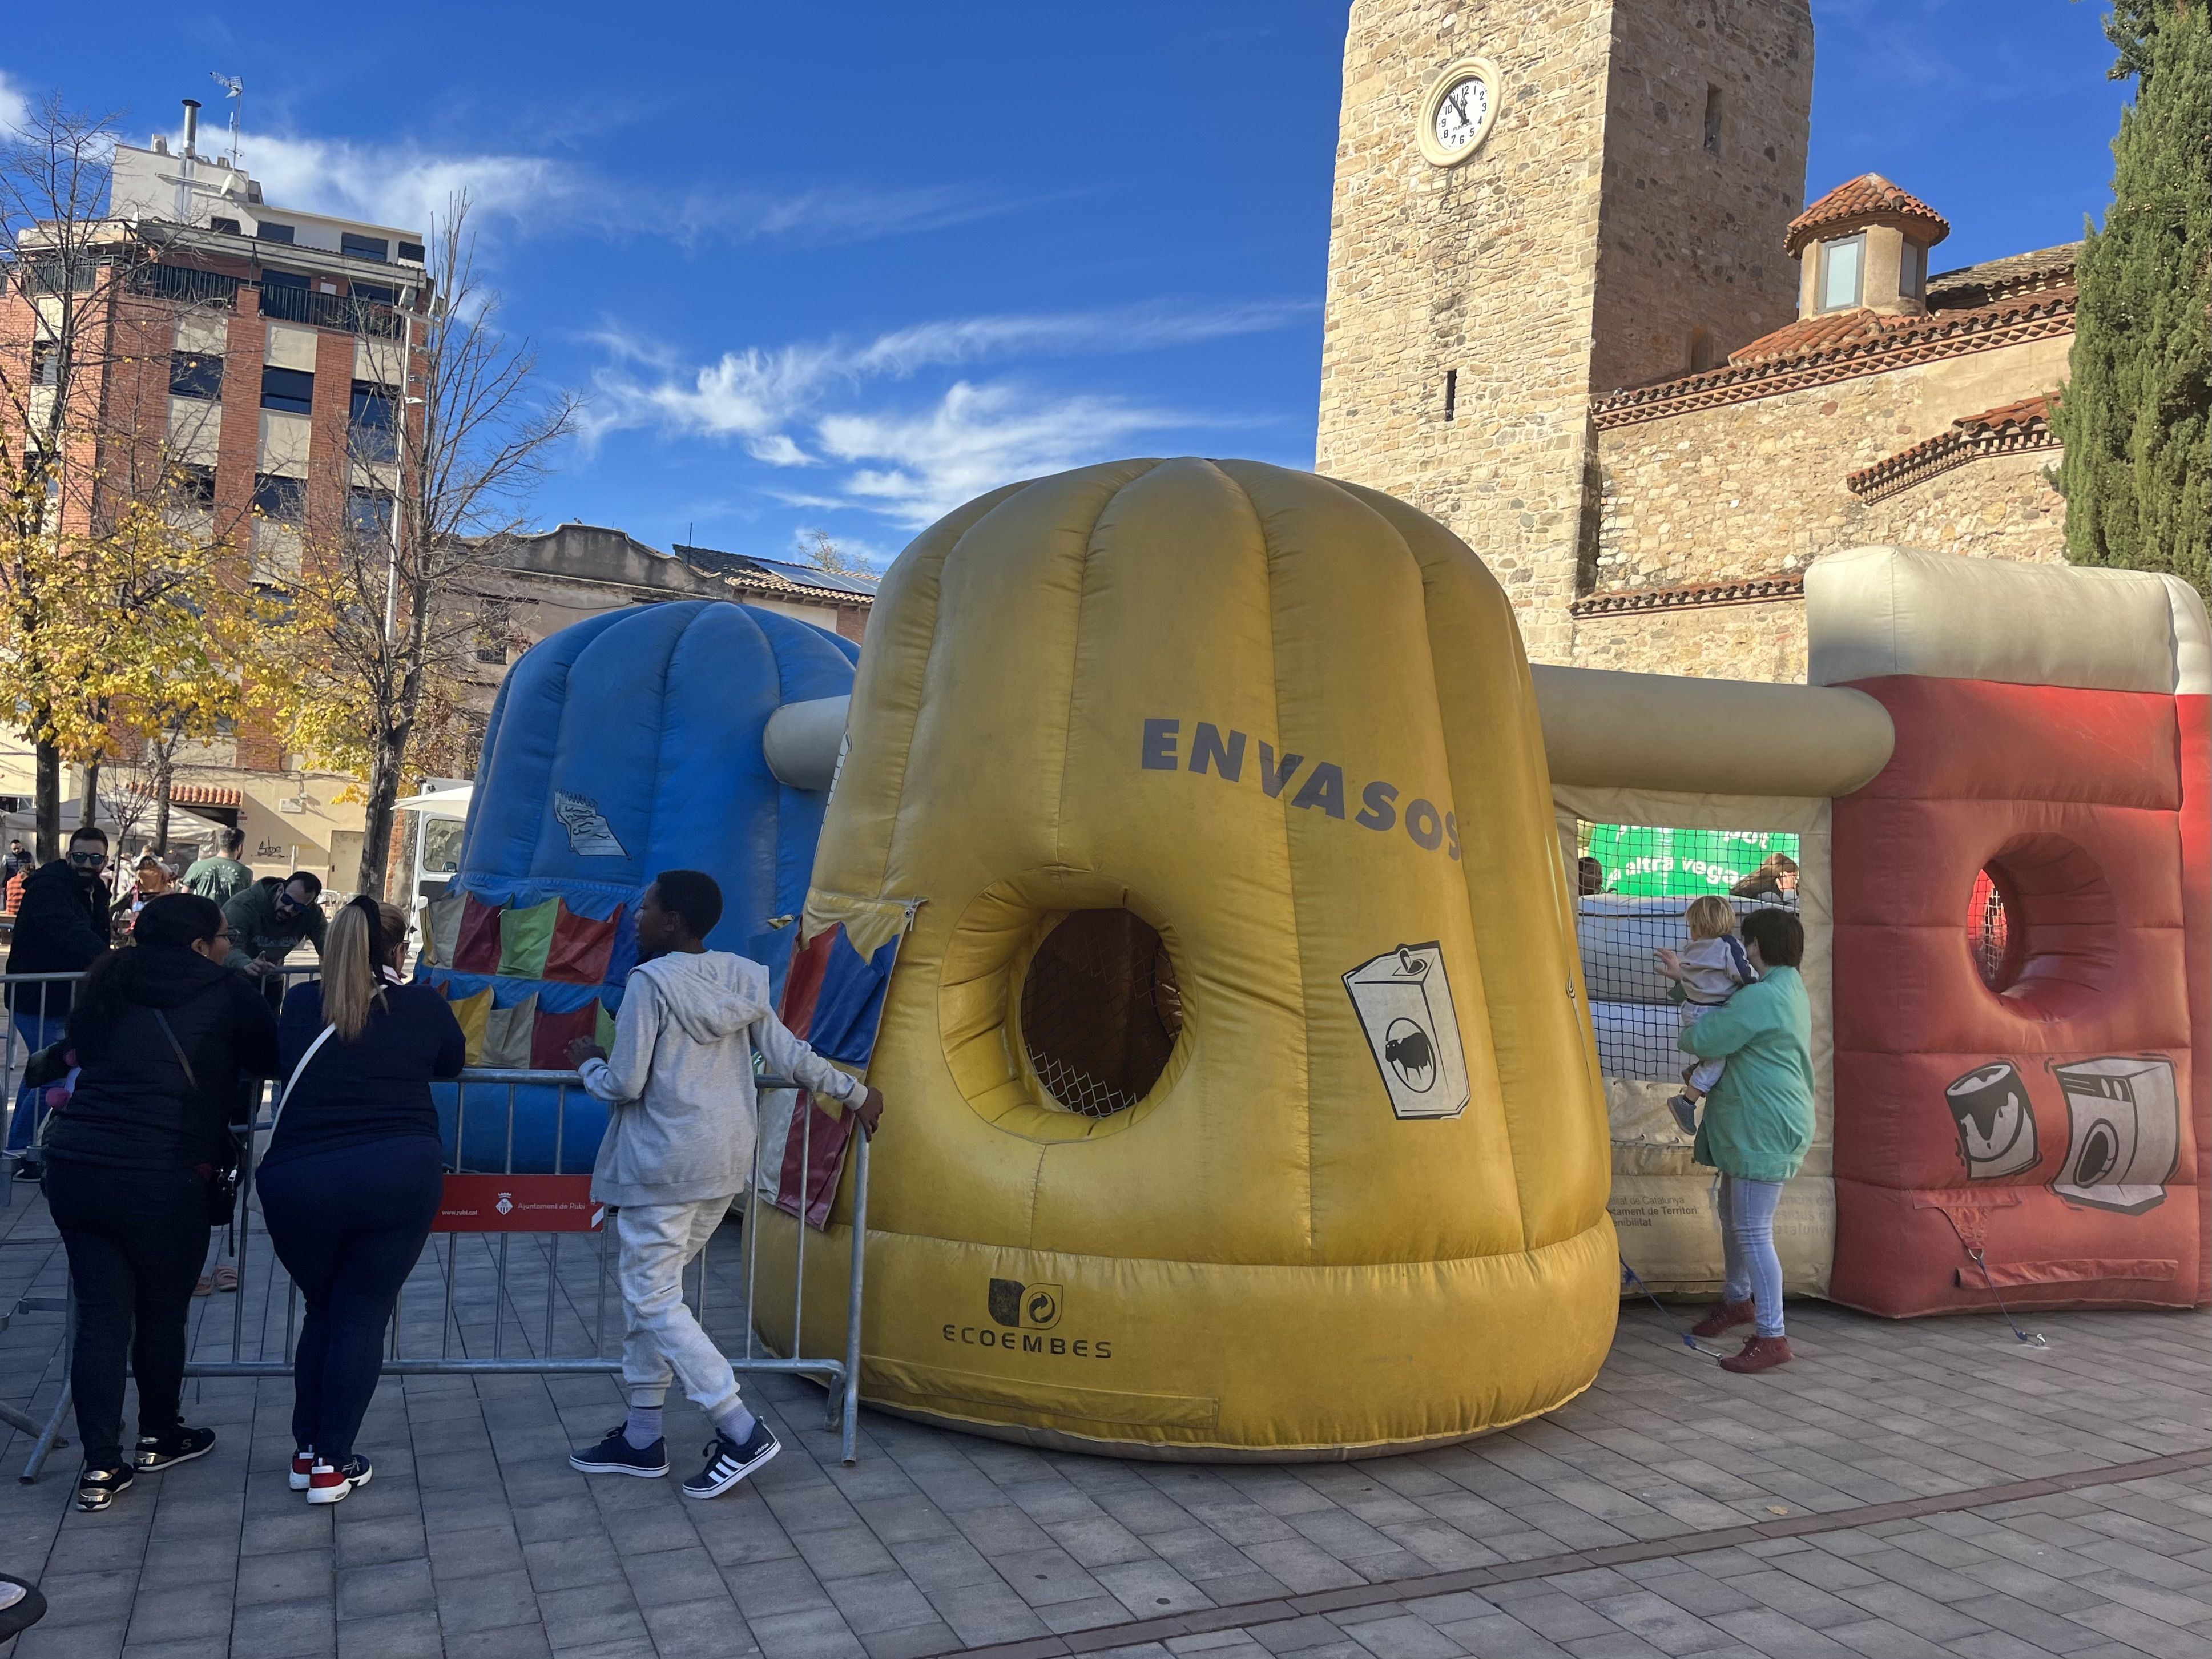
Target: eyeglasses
(87,860)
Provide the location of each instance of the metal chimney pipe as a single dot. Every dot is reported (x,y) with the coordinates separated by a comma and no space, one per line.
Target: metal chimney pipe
(192,126)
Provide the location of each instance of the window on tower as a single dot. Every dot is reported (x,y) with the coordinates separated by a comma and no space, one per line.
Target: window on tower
(1701,351)
(1451,394)
(1913,279)
(1843,272)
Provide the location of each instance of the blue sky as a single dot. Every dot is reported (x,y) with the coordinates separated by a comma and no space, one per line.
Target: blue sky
(839,267)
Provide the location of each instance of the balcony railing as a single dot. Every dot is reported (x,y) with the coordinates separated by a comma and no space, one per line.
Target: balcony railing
(206,288)
(292,305)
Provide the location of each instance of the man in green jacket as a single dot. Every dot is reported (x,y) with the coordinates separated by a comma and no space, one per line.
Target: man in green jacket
(1757,1128)
(269,919)
(220,878)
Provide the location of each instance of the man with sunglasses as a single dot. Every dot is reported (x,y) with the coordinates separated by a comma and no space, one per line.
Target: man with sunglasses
(269,919)
(60,928)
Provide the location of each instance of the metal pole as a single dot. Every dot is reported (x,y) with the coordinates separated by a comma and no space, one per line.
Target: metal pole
(847,1448)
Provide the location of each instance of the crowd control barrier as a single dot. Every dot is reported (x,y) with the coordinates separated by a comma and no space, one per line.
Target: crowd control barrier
(518,1278)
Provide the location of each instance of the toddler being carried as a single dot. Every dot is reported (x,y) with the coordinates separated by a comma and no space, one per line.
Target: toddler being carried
(1705,974)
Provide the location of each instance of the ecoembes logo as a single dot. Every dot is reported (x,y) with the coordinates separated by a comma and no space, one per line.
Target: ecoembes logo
(1021,1317)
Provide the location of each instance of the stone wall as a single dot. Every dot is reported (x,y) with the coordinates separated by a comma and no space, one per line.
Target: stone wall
(1498,270)
(1757,488)
(1719,642)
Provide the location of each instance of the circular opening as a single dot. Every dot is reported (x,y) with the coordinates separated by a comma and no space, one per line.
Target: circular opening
(1991,934)
(1100,1011)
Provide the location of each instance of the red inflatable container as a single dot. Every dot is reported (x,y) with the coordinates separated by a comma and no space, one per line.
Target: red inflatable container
(2022,938)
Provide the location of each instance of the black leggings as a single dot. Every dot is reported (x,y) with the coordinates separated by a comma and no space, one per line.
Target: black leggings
(136,1239)
(348,1225)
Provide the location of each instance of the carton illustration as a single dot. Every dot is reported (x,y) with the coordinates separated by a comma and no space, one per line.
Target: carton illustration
(1404,1003)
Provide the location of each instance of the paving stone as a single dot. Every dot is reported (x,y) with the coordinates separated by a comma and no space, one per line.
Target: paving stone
(367,1592)
(284,1630)
(176,1612)
(818,1634)
(390,1636)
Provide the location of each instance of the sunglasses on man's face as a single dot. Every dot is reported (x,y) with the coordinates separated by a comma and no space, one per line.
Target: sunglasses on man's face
(87,860)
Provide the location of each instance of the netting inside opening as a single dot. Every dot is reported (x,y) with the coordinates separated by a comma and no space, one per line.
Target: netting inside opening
(1990,932)
(1636,883)
(1100,1011)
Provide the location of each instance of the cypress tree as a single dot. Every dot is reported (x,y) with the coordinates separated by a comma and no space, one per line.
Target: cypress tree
(2137,472)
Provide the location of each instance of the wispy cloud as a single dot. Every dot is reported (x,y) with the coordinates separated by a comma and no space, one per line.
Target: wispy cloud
(404,185)
(825,215)
(754,394)
(916,468)
(14,104)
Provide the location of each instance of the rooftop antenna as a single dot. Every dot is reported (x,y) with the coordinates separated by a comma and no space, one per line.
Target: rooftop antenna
(235,89)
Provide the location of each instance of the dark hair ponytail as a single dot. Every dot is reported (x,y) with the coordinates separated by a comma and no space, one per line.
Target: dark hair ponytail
(169,924)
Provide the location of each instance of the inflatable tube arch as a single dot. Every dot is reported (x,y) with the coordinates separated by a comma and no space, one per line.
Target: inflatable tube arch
(628,743)
(1241,1099)
(2023,1087)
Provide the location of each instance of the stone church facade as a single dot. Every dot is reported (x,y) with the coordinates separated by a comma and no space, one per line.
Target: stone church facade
(1607,343)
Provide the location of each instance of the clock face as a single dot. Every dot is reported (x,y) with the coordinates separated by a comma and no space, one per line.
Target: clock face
(1461,114)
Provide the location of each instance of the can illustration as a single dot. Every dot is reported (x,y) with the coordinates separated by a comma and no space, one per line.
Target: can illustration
(1997,1125)
(2125,1141)
(1404,1002)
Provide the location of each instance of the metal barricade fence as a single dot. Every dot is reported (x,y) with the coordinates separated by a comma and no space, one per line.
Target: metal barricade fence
(478,1302)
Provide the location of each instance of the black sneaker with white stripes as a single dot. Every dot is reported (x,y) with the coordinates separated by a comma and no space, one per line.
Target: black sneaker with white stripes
(727,1462)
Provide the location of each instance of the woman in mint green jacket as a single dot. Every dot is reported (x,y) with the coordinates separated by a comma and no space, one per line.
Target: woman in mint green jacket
(1757,1126)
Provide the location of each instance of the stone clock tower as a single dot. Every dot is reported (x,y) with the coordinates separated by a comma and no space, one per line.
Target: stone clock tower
(1538,202)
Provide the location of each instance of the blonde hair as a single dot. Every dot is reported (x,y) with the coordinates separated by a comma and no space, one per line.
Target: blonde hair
(352,984)
(1710,916)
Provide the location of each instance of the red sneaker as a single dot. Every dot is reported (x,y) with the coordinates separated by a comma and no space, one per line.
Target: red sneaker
(303,1468)
(1761,1353)
(326,1485)
(1726,1317)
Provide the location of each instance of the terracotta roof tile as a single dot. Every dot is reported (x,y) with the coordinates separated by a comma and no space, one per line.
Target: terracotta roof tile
(2009,428)
(1843,345)
(1869,196)
(1999,279)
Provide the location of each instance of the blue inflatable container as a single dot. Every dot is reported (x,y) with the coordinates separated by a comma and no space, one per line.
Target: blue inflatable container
(628,744)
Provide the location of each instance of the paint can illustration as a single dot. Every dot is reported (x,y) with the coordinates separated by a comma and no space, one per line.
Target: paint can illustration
(1404,1003)
(1997,1125)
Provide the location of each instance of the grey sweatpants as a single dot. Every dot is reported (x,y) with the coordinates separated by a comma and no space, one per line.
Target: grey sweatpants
(654,1243)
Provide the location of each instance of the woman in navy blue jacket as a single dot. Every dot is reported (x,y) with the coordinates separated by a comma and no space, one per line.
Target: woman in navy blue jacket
(351,1180)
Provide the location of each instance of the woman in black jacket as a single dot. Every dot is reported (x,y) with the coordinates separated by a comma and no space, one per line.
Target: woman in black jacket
(162,1032)
(353,1175)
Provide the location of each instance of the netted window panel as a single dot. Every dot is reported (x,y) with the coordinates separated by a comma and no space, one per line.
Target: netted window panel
(1100,1011)
(1637,883)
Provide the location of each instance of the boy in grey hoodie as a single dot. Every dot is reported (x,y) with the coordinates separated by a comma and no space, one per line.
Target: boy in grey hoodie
(679,1146)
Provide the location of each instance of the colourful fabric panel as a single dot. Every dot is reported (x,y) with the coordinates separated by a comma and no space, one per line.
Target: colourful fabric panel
(507,1034)
(472,1011)
(476,950)
(605,1034)
(524,937)
(581,947)
(549,1046)
(441,929)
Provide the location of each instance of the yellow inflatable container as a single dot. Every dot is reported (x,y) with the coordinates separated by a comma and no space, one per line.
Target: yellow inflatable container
(1241,1099)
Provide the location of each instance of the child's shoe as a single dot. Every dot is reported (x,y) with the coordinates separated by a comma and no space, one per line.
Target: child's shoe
(179,1445)
(302,1471)
(1686,1113)
(616,1456)
(727,1462)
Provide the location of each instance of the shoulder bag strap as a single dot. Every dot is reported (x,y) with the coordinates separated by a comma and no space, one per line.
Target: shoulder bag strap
(176,1048)
(292,1082)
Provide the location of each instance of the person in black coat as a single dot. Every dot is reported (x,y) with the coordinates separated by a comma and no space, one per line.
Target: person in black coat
(354,1175)
(162,1032)
(61,928)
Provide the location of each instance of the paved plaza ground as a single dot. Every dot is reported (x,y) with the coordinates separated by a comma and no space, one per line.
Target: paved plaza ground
(1902,1490)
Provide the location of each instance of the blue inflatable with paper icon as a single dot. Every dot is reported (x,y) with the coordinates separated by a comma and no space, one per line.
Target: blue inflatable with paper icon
(699,734)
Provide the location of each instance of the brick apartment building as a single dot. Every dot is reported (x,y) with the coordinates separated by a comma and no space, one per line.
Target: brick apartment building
(258,358)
